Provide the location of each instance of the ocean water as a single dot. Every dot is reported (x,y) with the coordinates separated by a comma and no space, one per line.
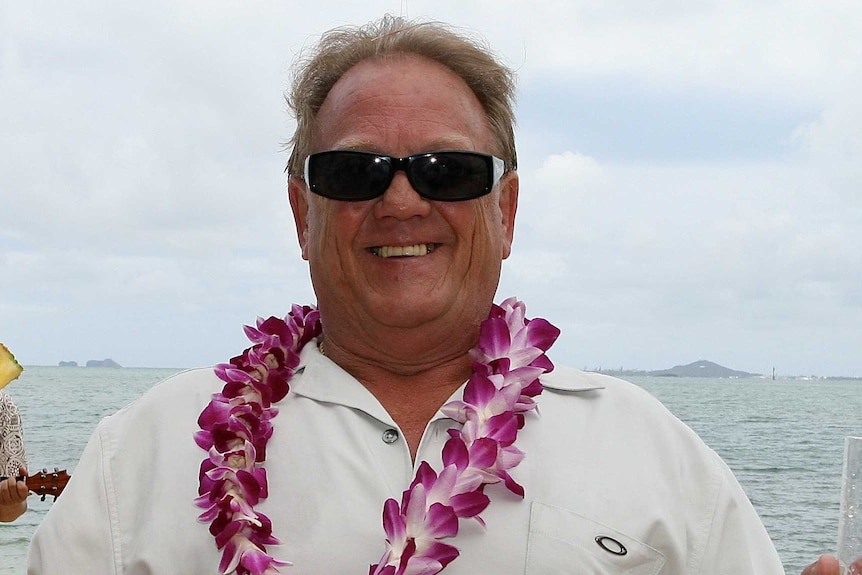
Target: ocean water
(59,409)
(784,439)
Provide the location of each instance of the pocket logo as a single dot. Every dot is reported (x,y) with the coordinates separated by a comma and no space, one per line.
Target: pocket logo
(611,545)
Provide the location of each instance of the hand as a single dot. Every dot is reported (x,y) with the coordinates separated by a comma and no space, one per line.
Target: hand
(828,565)
(13,497)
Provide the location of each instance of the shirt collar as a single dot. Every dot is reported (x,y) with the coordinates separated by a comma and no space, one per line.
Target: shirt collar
(323,380)
(568,379)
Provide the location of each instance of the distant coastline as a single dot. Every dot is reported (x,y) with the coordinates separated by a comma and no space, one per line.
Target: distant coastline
(701,368)
(92,363)
(705,368)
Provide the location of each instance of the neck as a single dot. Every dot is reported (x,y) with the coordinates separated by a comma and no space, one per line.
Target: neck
(411,385)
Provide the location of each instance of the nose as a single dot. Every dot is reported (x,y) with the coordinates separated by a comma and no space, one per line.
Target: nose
(401,201)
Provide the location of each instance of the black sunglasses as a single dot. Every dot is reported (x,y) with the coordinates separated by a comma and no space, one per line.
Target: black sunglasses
(448,176)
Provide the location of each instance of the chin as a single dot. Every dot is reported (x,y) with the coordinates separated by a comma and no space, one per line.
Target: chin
(416,311)
(408,313)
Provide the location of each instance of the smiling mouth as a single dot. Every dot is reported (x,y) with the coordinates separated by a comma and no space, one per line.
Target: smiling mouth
(403,251)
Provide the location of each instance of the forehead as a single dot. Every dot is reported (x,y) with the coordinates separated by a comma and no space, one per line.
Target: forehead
(401,104)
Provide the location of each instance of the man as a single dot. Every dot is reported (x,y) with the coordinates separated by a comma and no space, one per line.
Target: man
(404,192)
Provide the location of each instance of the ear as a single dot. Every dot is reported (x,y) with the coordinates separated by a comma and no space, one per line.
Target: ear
(509,186)
(297,194)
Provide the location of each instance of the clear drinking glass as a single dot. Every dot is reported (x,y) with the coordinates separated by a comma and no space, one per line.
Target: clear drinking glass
(850,522)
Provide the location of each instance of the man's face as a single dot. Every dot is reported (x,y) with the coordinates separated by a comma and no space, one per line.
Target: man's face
(400,107)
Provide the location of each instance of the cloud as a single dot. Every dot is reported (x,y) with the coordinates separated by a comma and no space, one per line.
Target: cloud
(689,173)
(701,254)
(789,50)
(689,225)
(833,142)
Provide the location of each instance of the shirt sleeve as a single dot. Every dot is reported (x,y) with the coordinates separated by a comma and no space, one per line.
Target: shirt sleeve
(737,541)
(79,534)
(12,455)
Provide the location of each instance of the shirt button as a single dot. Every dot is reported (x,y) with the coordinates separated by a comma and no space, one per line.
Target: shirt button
(390,436)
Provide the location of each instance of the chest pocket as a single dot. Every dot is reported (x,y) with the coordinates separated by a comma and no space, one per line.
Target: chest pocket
(565,543)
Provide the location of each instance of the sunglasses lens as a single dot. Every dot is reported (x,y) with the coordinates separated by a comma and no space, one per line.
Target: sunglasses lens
(346,175)
(442,176)
(451,176)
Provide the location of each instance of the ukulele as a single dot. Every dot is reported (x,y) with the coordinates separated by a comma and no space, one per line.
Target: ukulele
(46,482)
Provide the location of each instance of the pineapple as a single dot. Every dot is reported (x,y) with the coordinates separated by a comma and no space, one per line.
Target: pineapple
(9,368)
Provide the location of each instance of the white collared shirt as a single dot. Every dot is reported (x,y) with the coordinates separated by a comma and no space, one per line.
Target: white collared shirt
(614,484)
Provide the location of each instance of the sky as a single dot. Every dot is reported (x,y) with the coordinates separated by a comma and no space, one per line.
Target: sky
(691,183)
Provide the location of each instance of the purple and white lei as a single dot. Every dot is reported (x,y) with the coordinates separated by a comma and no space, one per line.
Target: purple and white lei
(237,424)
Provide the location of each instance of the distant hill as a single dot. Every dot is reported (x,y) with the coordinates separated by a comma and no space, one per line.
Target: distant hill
(702,368)
(103,363)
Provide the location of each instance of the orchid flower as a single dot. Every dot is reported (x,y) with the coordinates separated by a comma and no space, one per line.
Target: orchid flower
(507,363)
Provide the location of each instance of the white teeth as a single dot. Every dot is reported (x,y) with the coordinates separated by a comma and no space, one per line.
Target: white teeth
(403,251)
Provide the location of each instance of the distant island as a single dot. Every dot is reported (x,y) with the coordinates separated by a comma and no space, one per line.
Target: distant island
(103,363)
(92,363)
(700,368)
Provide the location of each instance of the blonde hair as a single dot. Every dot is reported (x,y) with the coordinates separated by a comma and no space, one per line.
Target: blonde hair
(342,48)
